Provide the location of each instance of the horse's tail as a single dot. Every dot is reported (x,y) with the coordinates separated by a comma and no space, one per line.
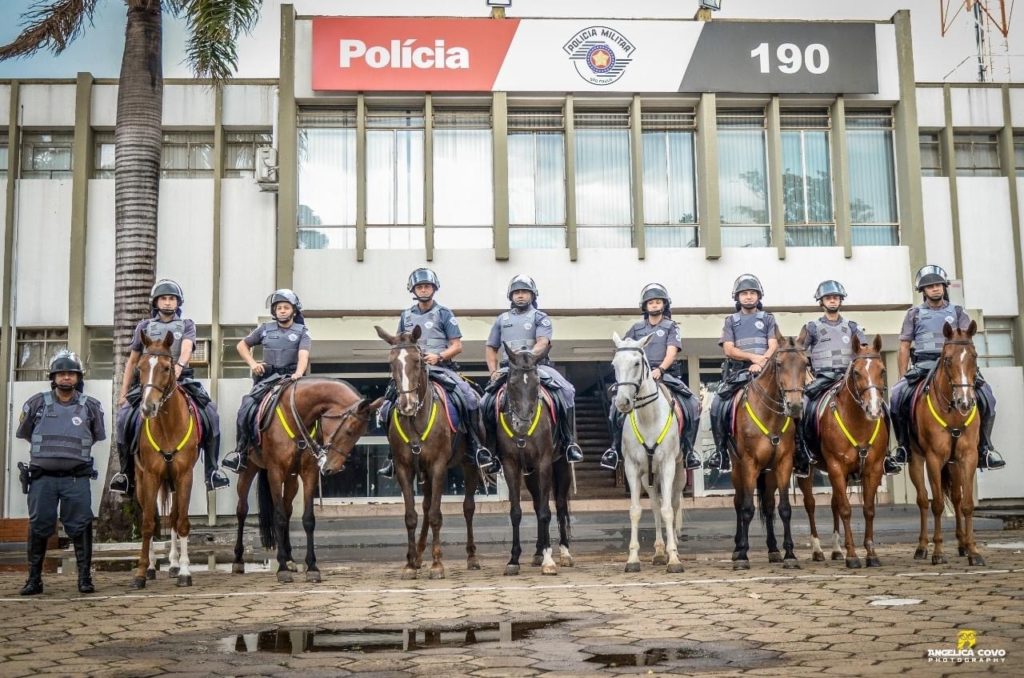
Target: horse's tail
(266,504)
(763,512)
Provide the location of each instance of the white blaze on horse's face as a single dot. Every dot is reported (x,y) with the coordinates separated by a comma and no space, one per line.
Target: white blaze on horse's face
(963,396)
(405,398)
(874,404)
(629,370)
(149,407)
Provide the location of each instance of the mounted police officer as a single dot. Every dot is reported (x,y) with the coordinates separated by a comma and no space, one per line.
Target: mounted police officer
(748,339)
(62,425)
(526,326)
(921,342)
(165,301)
(286,344)
(440,341)
(661,352)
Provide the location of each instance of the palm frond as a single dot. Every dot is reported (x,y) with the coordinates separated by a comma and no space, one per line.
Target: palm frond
(214,29)
(51,26)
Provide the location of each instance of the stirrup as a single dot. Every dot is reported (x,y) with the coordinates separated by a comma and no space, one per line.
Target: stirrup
(234,461)
(891,467)
(802,472)
(899,455)
(388,469)
(720,461)
(119,484)
(990,460)
(217,480)
(573,453)
(610,459)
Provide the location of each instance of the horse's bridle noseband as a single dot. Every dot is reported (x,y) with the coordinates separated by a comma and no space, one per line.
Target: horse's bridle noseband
(639,401)
(166,392)
(944,363)
(858,396)
(781,402)
(423,370)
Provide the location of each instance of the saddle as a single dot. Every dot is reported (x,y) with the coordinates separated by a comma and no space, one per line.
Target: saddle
(132,426)
(266,394)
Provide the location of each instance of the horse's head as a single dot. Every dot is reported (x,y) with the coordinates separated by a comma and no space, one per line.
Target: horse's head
(156,373)
(408,369)
(631,369)
(959,362)
(866,377)
(522,388)
(342,430)
(790,366)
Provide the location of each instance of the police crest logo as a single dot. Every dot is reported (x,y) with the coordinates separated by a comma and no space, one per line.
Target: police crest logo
(77,421)
(178,335)
(759,325)
(527,326)
(600,54)
(293,337)
(660,333)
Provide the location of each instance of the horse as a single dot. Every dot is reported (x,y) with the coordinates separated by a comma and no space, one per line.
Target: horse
(168,450)
(526,437)
(764,439)
(421,443)
(652,450)
(316,423)
(944,437)
(853,432)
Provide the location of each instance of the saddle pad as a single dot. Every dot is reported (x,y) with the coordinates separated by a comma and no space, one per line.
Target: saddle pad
(450,411)
(194,412)
(915,396)
(732,412)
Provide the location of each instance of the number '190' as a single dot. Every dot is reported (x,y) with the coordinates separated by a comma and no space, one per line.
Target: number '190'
(790,59)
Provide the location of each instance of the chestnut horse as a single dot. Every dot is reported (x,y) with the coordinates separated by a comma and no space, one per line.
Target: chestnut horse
(315,425)
(764,438)
(945,426)
(168,450)
(423,444)
(853,435)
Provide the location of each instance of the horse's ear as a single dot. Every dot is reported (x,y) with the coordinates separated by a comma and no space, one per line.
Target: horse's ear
(168,340)
(617,339)
(646,340)
(146,341)
(365,406)
(947,330)
(801,339)
(877,343)
(416,332)
(972,328)
(383,334)
(855,344)
(511,352)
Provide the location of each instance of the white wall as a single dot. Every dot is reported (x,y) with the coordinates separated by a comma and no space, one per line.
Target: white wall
(188,106)
(42,258)
(99,254)
(249,105)
(5,105)
(103,107)
(1008,386)
(977,107)
(47,105)
(248,242)
(986,243)
(938,222)
(931,109)
(185,240)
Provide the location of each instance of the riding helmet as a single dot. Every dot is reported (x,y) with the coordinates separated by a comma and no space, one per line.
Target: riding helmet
(829,287)
(166,286)
(747,281)
(420,276)
(522,282)
(66,361)
(930,275)
(654,291)
(284,294)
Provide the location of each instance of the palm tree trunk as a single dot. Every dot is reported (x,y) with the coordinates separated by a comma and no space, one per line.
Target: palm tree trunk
(136,196)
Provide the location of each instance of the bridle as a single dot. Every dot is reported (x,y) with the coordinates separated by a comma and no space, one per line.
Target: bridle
(944,364)
(423,371)
(165,392)
(308,441)
(858,396)
(770,402)
(639,401)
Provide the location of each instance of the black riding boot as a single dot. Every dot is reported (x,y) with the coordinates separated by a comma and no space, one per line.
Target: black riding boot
(573,452)
(121,482)
(235,461)
(481,456)
(803,458)
(720,459)
(36,555)
(901,429)
(388,469)
(215,478)
(988,458)
(83,559)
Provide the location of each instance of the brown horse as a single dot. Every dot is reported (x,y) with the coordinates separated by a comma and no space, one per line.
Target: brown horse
(315,425)
(423,444)
(853,432)
(168,449)
(945,426)
(764,440)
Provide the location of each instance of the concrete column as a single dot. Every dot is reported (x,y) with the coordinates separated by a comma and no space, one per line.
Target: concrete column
(707,176)
(499,116)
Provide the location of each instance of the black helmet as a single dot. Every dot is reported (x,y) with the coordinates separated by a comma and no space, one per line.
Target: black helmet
(930,275)
(829,287)
(420,276)
(66,361)
(284,294)
(654,291)
(747,281)
(522,282)
(166,286)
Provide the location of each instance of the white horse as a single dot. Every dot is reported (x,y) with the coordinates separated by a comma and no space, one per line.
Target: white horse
(650,450)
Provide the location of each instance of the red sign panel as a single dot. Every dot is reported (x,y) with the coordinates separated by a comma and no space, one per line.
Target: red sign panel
(409,54)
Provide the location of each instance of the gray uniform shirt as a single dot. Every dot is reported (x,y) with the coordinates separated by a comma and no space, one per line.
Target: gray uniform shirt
(184,329)
(521,329)
(59,421)
(749,331)
(438,326)
(286,354)
(666,333)
(831,343)
(923,326)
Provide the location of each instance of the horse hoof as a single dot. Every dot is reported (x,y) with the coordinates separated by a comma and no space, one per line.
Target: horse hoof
(511,570)
(735,555)
(409,573)
(818,557)
(437,572)
(138,583)
(920,554)
(472,563)
(237,568)
(566,561)
(538,560)
(674,568)
(939,559)
(659,559)
(741,565)
(853,563)
(873,561)
(313,576)
(774,557)
(173,572)
(549,569)
(150,574)
(633,567)
(961,551)
(838,555)
(791,564)
(284,577)
(976,559)
(185,580)
(292,567)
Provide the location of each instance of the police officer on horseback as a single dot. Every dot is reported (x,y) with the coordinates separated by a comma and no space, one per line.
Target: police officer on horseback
(440,340)
(921,342)
(286,345)
(526,326)
(748,339)
(166,299)
(661,352)
(61,425)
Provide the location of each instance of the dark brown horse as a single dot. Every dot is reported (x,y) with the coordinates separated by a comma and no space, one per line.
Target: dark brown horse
(168,450)
(423,444)
(526,444)
(853,432)
(315,425)
(944,437)
(764,438)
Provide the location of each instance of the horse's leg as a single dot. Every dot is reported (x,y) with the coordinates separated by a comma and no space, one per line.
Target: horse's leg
(542,506)
(147,498)
(744,477)
(654,491)
(154,563)
(563,481)
(276,480)
(421,542)
(472,477)
(532,483)
(869,485)
(837,477)
(437,478)
(515,509)
(402,474)
(180,522)
(956,498)
(806,486)
(782,473)
(675,565)
(291,488)
(767,500)
(309,483)
(667,474)
(241,511)
(174,553)
(938,505)
(633,477)
(966,470)
(916,471)
(837,546)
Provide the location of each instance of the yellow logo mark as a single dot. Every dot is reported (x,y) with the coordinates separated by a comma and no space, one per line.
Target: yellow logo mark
(965,639)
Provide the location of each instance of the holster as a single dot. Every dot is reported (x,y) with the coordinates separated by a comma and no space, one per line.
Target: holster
(25,476)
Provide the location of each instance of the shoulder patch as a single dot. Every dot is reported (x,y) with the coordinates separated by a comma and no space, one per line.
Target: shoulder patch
(546,322)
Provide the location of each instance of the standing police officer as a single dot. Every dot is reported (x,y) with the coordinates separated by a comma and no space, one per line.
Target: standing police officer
(286,343)
(62,425)
(661,351)
(526,326)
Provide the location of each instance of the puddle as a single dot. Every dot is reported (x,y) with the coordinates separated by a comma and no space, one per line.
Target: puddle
(650,657)
(895,602)
(298,641)
(1009,545)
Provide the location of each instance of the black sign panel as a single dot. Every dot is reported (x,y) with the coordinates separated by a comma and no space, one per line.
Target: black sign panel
(784,58)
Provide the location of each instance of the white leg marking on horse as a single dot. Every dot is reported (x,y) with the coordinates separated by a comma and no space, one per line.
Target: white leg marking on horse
(815,545)
(836,543)
(563,551)
(184,571)
(548,560)
(173,555)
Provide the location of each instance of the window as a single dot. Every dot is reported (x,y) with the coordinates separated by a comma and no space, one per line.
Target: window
(327,179)
(46,155)
(742,179)
(36,347)
(103,156)
(463,168)
(536,179)
(604,200)
(931,154)
(186,155)
(807,179)
(670,179)
(99,357)
(977,154)
(240,152)
(873,211)
(1018,152)
(3,156)
(995,344)
(394,179)
(231,364)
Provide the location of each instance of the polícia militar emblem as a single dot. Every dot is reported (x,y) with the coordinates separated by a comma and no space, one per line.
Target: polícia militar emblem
(600,54)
